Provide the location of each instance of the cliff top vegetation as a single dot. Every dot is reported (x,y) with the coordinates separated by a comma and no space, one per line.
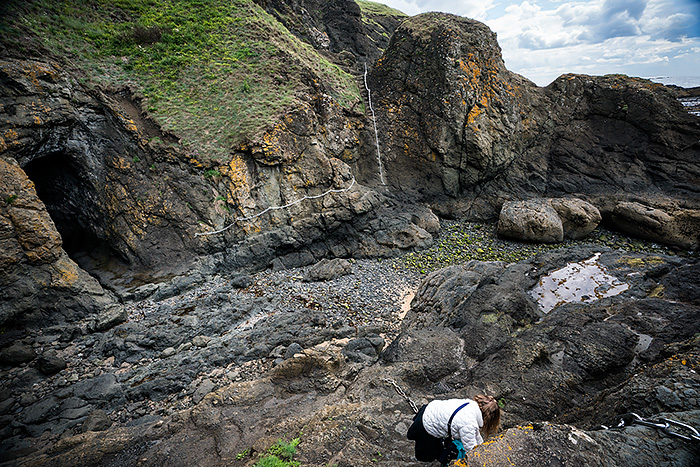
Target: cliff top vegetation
(374,9)
(213,72)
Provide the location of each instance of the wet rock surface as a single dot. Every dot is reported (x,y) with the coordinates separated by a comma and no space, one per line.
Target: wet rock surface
(283,356)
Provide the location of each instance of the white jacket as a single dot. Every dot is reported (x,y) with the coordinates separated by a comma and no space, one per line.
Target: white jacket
(465,424)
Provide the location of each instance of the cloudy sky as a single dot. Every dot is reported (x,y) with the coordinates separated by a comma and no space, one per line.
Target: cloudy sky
(542,39)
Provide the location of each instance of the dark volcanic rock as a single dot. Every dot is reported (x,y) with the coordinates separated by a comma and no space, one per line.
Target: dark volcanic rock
(472,328)
(448,109)
(337,25)
(364,349)
(328,269)
(50,364)
(576,345)
(17,353)
(97,421)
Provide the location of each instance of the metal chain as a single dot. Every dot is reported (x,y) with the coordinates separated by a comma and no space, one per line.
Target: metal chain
(663,424)
(275,208)
(402,394)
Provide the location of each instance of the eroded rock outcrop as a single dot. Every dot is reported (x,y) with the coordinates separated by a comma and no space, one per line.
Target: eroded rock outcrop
(123,205)
(590,346)
(448,109)
(39,283)
(664,223)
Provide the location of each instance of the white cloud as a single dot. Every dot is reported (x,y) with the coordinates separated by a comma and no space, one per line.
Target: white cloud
(477,9)
(542,39)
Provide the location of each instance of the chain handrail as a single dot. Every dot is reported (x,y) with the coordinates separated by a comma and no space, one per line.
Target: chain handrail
(663,424)
(275,208)
(401,393)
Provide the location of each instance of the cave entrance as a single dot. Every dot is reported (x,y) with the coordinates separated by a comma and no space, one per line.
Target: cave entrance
(70,197)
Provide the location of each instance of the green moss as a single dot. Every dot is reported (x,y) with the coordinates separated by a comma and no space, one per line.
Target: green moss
(459,242)
(489,318)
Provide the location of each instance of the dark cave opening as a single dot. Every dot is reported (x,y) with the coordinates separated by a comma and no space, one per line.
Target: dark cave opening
(70,197)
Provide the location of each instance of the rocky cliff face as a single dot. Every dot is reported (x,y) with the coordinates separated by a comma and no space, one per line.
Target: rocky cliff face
(448,108)
(337,26)
(115,193)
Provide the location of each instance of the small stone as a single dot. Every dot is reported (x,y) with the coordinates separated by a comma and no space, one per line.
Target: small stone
(205,388)
(50,364)
(327,269)
(27,399)
(292,350)
(39,411)
(201,341)
(184,347)
(110,317)
(241,281)
(96,421)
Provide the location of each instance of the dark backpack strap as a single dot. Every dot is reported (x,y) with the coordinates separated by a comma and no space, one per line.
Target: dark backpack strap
(449,423)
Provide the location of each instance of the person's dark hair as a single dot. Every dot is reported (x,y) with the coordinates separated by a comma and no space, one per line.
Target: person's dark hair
(490,412)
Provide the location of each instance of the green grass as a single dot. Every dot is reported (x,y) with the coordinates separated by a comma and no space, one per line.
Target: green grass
(379,9)
(215,72)
(280,455)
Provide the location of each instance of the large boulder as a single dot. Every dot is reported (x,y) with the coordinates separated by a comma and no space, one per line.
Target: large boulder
(547,220)
(532,220)
(671,225)
(578,217)
(328,269)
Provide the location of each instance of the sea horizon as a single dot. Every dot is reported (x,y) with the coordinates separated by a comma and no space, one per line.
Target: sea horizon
(682,81)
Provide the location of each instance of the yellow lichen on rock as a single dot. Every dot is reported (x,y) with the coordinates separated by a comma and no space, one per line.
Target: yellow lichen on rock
(64,273)
(29,225)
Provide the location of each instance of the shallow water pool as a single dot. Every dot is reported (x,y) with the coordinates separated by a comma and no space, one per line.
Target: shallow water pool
(584,281)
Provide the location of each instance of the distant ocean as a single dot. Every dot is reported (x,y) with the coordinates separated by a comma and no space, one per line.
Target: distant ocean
(682,81)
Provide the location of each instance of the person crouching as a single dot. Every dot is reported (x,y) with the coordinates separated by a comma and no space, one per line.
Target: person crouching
(441,425)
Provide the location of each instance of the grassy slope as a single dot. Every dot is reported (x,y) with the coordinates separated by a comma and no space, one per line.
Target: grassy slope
(215,72)
(373,8)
